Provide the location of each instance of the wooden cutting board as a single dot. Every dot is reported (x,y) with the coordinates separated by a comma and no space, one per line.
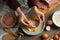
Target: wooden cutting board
(51,8)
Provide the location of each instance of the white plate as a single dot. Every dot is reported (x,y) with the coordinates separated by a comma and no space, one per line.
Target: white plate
(56,18)
(35,32)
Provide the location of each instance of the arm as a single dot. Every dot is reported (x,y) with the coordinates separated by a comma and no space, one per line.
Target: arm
(13,4)
(35,8)
(31,3)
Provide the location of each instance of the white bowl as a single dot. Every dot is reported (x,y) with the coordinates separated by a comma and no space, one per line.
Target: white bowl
(56,18)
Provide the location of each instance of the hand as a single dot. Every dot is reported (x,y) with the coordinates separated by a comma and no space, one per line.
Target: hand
(22,17)
(25,21)
(39,14)
(41,17)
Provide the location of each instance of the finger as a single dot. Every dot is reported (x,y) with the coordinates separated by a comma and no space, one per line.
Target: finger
(24,22)
(27,23)
(0,19)
(42,18)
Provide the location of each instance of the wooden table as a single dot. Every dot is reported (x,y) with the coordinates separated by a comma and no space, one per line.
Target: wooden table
(4,8)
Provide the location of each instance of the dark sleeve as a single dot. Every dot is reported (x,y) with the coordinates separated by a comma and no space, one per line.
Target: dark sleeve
(30,3)
(13,4)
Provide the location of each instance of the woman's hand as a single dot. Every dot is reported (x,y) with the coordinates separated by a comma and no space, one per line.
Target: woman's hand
(25,21)
(39,13)
(22,17)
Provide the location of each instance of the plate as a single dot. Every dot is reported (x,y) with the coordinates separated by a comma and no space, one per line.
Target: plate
(2,17)
(2,35)
(35,32)
(56,18)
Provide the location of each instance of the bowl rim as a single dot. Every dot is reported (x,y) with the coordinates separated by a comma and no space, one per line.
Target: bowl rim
(2,35)
(41,30)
